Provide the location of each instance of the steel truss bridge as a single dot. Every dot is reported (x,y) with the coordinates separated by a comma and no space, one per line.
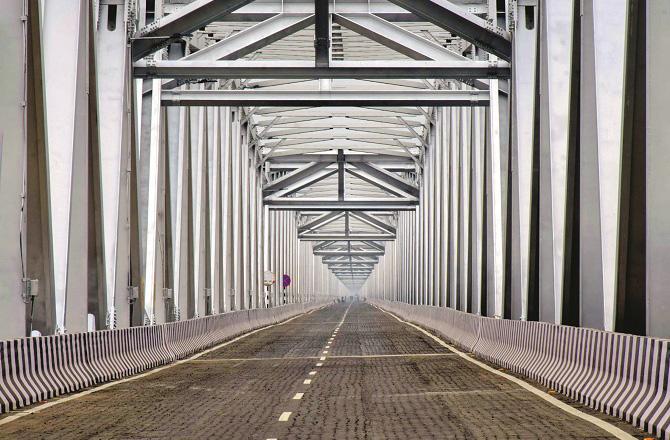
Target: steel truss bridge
(503,158)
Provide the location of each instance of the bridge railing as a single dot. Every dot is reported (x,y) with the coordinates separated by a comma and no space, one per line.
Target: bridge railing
(40,368)
(626,376)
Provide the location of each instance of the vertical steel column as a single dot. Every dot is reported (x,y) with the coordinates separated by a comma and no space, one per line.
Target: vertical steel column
(215,225)
(602,85)
(436,136)
(227,210)
(557,136)
(151,246)
(114,100)
(454,172)
(236,210)
(464,208)
(479,200)
(246,239)
(66,71)
(14,132)
(430,223)
(657,160)
(253,230)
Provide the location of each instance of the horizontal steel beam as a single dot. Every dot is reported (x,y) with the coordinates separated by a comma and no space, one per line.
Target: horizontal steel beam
(347,273)
(325,98)
(262,9)
(350,158)
(349,253)
(364,260)
(343,237)
(360,269)
(338,69)
(355,264)
(306,204)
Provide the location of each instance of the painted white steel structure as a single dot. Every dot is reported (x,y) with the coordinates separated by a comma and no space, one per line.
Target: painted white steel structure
(502,158)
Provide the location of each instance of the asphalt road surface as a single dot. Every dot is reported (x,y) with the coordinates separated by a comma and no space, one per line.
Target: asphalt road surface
(348,371)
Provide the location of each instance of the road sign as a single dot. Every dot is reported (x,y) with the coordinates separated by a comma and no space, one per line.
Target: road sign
(269,278)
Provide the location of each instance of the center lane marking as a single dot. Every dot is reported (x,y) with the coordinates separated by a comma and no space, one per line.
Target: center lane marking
(285,416)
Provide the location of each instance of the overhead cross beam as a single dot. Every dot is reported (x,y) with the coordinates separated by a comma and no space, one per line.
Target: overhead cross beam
(236,69)
(320,221)
(375,222)
(349,158)
(343,260)
(253,38)
(300,184)
(388,177)
(326,204)
(462,23)
(262,10)
(325,98)
(180,23)
(377,183)
(346,237)
(341,253)
(395,37)
(293,177)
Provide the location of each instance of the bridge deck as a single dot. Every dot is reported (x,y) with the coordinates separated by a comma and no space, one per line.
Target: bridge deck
(380,379)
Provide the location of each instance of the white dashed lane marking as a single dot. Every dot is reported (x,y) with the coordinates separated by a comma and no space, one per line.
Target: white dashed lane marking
(285,416)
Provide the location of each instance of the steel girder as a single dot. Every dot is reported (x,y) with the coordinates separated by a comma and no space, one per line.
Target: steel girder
(251,39)
(262,10)
(184,21)
(325,98)
(336,70)
(346,237)
(467,25)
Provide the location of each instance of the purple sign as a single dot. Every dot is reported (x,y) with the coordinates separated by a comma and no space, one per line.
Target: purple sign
(285,281)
